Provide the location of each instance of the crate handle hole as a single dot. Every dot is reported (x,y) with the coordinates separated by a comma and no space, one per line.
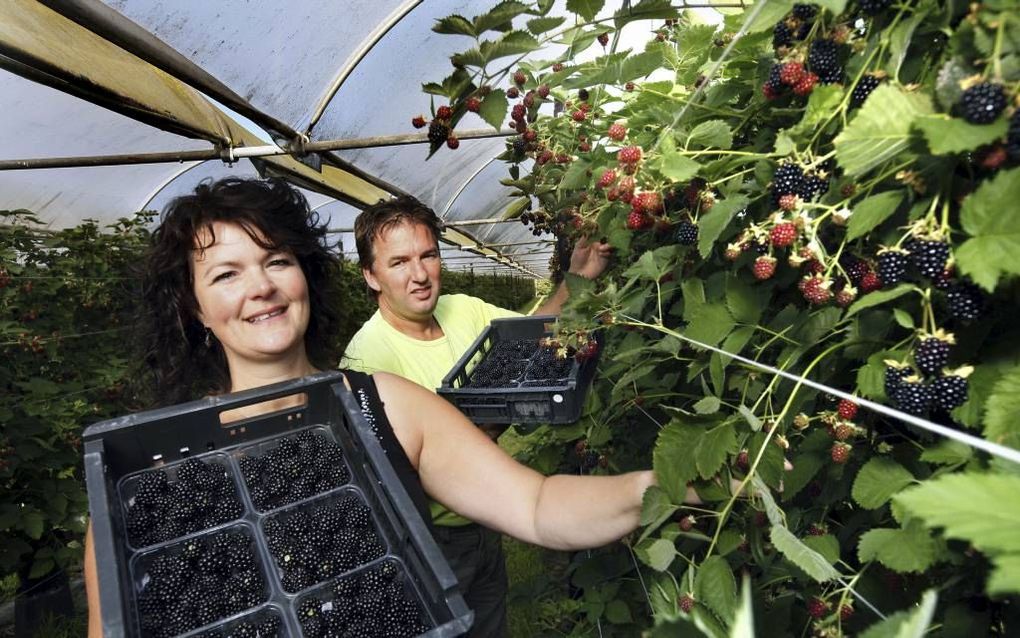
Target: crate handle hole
(231,418)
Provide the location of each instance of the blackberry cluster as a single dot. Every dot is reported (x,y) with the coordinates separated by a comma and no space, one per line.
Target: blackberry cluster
(300,466)
(917,394)
(864,87)
(966,301)
(804,11)
(372,604)
(199,581)
(519,362)
(982,103)
(203,496)
(787,180)
(892,266)
(873,7)
(929,256)
(438,133)
(794,27)
(823,59)
(313,544)
(1013,137)
(687,233)
(270,627)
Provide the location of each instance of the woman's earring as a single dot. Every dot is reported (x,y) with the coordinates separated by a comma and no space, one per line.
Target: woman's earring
(208,337)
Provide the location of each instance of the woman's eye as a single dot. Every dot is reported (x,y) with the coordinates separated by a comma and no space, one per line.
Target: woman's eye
(280,261)
(223,276)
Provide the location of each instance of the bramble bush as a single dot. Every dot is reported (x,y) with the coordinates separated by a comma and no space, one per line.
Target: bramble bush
(67,339)
(825,189)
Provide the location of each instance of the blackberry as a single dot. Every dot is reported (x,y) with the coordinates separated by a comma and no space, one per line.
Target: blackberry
(892,265)
(295,579)
(804,11)
(270,627)
(874,7)
(949,392)
(1013,137)
(520,147)
(982,103)
(775,81)
(151,486)
(788,179)
(823,58)
(812,186)
(931,355)
(966,301)
(913,396)
(929,256)
(781,35)
(864,87)
(894,376)
(438,132)
(855,268)
(687,233)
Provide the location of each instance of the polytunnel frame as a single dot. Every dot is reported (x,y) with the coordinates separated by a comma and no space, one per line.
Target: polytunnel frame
(114,28)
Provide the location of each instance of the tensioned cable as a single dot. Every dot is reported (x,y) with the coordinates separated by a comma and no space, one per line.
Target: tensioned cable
(994,449)
(62,337)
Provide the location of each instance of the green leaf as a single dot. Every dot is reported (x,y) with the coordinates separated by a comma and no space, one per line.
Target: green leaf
(743,621)
(804,469)
(992,250)
(1000,412)
(513,43)
(454,25)
(515,208)
(499,15)
(1005,576)
(878,481)
(675,458)
(824,101)
(881,129)
(948,452)
(656,506)
(576,176)
(618,613)
(710,227)
(903,318)
(713,448)
(33,523)
(878,298)
(677,167)
(906,624)
(826,545)
(708,405)
(493,108)
(587,9)
(908,549)
(658,554)
(810,561)
(775,515)
(769,14)
(715,587)
(41,567)
(947,135)
(835,6)
(539,26)
(742,300)
(640,65)
(710,323)
(900,40)
(981,508)
(711,134)
(645,10)
(872,211)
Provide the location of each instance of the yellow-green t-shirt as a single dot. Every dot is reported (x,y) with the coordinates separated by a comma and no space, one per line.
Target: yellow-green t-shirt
(379,347)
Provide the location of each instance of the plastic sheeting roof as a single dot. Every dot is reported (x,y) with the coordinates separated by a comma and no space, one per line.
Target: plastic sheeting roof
(333,70)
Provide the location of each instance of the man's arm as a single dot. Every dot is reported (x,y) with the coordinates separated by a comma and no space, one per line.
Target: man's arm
(588,260)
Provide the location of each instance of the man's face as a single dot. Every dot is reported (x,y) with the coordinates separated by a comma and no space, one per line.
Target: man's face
(405,271)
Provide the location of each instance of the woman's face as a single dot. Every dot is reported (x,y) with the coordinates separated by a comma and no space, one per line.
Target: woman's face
(255,301)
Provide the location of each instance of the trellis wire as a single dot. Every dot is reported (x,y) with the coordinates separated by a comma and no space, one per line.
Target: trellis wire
(70,336)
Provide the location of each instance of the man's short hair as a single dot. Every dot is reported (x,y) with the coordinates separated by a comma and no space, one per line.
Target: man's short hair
(379,218)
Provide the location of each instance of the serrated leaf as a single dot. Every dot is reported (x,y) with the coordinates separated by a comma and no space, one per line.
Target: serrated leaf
(656,506)
(878,298)
(493,108)
(715,587)
(587,9)
(983,509)
(539,26)
(677,167)
(872,211)
(908,549)
(713,448)
(499,15)
(576,176)
(513,43)
(878,481)
(638,66)
(645,10)
(675,458)
(1005,576)
(1000,421)
(948,452)
(948,135)
(658,554)
(41,567)
(707,405)
(808,560)
(742,300)
(906,624)
(710,227)
(454,25)
(900,40)
(804,469)
(769,14)
(710,323)
(33,523)
(515,208)
(992,250)
(711,134)
(824,100)
(772,511)
(826,545)
(881,130)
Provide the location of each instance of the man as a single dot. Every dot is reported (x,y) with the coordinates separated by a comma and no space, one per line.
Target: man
(420,335)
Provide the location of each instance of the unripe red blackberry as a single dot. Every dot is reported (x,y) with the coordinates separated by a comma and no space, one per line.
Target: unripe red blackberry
(418,121)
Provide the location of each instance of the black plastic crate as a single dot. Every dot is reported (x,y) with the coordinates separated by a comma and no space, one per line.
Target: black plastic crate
(118,448)
(522,400)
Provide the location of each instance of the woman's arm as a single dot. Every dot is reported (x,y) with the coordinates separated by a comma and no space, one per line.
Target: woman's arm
(465,471)
(92,587)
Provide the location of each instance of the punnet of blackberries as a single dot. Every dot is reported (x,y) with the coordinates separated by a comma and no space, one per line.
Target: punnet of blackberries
(295,468)
(197,582)
(179,499)
(373,602)
(522,363)
(316,541)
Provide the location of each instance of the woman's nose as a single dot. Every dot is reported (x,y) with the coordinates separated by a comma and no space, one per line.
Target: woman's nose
(261,285)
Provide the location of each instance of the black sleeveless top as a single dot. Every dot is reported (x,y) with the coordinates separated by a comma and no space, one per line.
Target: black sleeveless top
(363,387)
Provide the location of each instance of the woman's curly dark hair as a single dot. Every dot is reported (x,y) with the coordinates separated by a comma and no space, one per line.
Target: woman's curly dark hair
(275,215)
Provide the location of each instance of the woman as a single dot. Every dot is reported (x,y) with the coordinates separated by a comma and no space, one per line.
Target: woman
(236,294)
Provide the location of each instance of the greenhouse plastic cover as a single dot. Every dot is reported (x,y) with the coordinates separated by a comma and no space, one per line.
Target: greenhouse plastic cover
(330,70)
